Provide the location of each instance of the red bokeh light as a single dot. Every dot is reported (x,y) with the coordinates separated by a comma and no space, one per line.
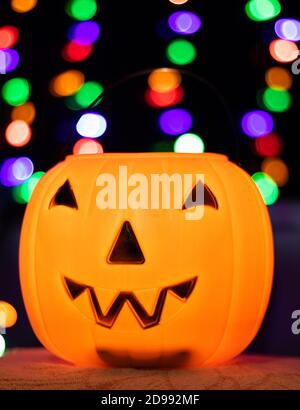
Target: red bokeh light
(8,36)
(269,146)
(73,51)
(159,100)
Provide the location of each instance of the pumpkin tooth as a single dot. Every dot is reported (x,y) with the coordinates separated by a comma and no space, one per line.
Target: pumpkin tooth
(147,298)
(74,289)
(106,297)
(184,289)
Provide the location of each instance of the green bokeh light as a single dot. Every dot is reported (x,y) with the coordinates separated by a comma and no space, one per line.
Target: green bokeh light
(181,52)
(262,10)
(267,187)
(22,193)
(84,96)
(16,91)
(189,143)
(81,9)
(276,100)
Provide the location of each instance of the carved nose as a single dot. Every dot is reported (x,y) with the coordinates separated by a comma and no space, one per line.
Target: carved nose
(126,248)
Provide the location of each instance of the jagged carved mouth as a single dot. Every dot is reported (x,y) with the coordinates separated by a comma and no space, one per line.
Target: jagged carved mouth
(181,290)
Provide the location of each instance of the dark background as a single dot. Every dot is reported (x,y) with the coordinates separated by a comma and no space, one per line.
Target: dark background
(232,55)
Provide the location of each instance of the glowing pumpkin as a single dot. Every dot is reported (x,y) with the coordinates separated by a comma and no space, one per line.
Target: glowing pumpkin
(146,287)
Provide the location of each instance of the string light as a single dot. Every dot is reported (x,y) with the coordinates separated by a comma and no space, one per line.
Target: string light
(277,170)
(276,100)
(163,80)
(269,146)
(288,29)
(166,99)
(22,193)
(283,51)
(81,9)
(84,33)
(2,346)
(184,22)
(16,91)
(91,125)
(8,36)
(279,78)
(66,83)
(87,146)
(18,133)
(74,52)
(267,187)
(22,169)
(189,143)
(181,52)
(9,60)
(262,10)
(257,123)
(175,121)
(23,6)
(25,112)
(10,314)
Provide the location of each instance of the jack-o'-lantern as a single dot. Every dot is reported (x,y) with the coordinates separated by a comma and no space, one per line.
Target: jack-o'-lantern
(146,286)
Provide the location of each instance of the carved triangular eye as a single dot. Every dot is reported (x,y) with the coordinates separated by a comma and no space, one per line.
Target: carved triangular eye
(64,196)
(209,198)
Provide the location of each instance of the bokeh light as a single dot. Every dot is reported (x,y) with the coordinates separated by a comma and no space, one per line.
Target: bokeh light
(6,176)
(91,125)
(81,9)
(74,52)
(9,60)
(279,78)
(288,29)
(25,112)
(276,100)
(2,346)
(163,80)
(262,10)
(66,83)
(8,36)
(178,2)
(277,169)
(10,314)
(189,143)
(269,146)
(175,121)
(18,133)
(257,123)
(84,33)
(22,193)
(22,169)
(181,52)
(16,91)
(184,22)
(283,51)
(23,6)
(87,146)
(267,187)
(88,93)
(166,99)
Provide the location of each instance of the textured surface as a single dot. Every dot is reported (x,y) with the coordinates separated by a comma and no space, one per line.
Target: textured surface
(38,369)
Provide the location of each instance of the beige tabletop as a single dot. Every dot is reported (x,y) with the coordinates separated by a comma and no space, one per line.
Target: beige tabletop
(38,369)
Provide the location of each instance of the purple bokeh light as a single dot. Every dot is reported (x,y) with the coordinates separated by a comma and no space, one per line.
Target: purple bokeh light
(84,33)
(257,123)
(9,59)
(175,121)
(22,169)
(6,175)
(184,22)
(288,29)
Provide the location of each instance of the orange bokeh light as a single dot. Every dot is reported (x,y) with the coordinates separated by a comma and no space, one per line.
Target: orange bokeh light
(10,315)
(22,6)
(178,2)
(276,169)
(163,80)
(24,112)
(279,78)
(283,51)
(66,83)
(18,133)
